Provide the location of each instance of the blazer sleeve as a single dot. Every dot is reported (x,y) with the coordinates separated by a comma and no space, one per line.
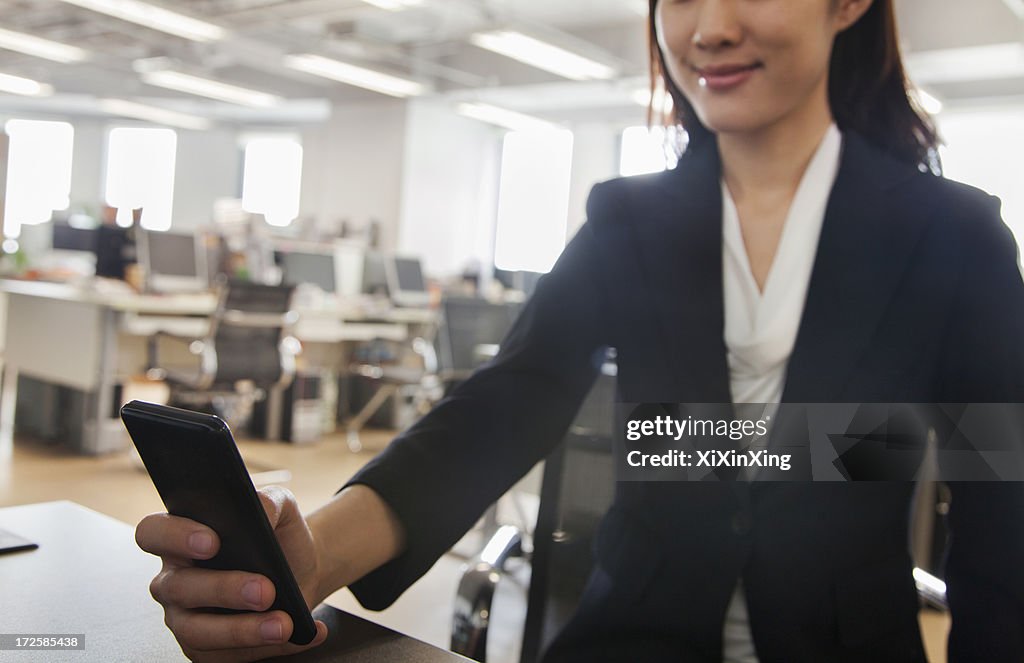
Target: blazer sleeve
(442,473)
(985,364)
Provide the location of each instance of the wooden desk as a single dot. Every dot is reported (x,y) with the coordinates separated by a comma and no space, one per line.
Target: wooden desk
(89,577)
(89,339)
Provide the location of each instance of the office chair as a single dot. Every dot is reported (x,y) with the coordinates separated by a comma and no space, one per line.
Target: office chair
(471,330)
(396,373)
(247,350)
(577,488)
(468,335)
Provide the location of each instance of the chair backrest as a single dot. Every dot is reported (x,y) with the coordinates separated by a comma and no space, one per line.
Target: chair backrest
(467,324)
(250,321)
(254,298)
(577,489)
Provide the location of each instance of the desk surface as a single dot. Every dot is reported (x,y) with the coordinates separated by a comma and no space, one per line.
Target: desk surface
(89,577)
(200,304)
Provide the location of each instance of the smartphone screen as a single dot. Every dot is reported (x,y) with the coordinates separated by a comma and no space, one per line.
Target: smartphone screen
(199,474)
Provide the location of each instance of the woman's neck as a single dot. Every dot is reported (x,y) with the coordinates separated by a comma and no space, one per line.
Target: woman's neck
(771,161)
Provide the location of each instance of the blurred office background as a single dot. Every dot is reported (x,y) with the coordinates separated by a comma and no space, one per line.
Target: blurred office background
(382,157)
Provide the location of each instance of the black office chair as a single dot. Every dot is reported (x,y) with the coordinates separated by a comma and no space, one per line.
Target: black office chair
(577,489)
(471,329)
(468,335)
(406,371)
(247,350)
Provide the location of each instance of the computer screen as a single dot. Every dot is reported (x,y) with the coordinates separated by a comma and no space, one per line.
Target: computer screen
(172,262)
(406,285)
(300,267)
(410,275)
(69,238)
(172,254)
(375,279)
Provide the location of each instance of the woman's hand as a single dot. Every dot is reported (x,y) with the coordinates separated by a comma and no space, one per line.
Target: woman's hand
(186,591)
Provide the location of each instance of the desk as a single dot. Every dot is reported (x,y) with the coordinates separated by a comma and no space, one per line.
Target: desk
(87,339)
(89,577)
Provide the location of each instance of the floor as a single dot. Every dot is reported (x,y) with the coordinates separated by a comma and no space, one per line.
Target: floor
(118,486)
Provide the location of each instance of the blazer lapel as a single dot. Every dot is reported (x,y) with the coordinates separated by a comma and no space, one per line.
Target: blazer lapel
(863,251)
(679,243)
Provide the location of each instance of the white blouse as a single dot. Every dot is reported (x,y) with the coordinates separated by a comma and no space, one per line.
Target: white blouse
(761,327)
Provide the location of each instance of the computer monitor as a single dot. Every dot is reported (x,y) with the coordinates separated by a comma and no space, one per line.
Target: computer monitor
(70,238)
(375,278)
(317,268)
(172,262)
(406,284)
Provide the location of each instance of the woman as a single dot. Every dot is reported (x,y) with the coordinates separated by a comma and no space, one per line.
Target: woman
(797,253)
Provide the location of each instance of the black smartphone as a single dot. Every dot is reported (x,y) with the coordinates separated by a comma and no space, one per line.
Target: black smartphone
(196,467)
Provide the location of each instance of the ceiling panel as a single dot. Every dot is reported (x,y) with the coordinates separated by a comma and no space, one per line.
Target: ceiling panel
(428,41)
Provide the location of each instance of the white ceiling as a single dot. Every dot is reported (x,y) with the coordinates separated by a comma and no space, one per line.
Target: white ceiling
(428,41)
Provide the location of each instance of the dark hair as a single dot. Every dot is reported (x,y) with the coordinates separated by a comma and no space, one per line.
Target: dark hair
(867,91)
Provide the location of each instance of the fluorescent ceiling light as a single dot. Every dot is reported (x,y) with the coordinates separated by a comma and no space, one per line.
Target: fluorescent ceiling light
(204,87)
(393,5)
(353,75)
(41,48)
(158,18)
(972,63)
(25,86)
(154,114)
(503,117)
(542,55)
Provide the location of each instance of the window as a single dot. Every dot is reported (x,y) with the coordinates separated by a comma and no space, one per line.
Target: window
(140,173)
(983,148)
(533,199)
(38,172)
(272,179)
(646,150)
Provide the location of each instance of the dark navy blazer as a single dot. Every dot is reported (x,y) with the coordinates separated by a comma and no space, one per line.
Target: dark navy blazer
(915,297)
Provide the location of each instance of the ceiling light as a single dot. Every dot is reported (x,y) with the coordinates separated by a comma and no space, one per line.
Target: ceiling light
(204,87)
(41,48)
(154,114)
(393,5)
(25,86)
(542,55)
(353,75)
(158,18)
(503,117)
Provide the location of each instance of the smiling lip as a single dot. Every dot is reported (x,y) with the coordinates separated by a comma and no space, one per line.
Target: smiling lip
(721,77)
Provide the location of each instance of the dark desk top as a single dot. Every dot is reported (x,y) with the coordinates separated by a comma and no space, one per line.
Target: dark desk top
(89,577)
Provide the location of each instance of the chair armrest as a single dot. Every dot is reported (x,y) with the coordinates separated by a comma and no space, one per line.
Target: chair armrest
(476,592)
(203,349)
(425,349)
